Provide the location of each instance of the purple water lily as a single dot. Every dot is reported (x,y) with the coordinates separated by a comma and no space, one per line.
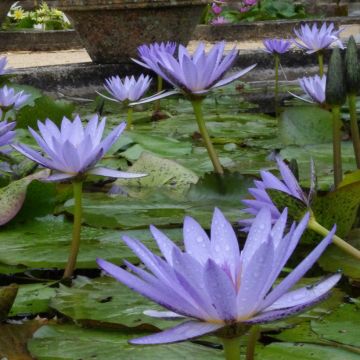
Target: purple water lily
(197,74)
(129,89)
(73,149)
(314,87)
(288,185)
(148,52)
(7,133)
(216,8)
(10,99)
(3,65)
(276,46)
(313,39)
(215,284)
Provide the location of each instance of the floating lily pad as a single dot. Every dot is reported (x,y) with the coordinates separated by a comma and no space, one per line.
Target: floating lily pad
(104,302)
(70,342)
(304,125)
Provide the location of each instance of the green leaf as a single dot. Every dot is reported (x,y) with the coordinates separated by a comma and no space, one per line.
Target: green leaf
(44,108)
(104,302)
(305,125)
(69,342)
(44,243)
(296,208)
(13,196)
(341,326)
(32,299)
(161,172)
(296,351)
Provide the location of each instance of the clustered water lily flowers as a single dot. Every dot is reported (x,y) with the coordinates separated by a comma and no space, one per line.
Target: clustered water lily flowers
(217,286)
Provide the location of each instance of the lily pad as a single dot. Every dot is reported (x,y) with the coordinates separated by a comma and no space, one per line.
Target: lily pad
(104,302)
(304,125)
(341,326)
(69,342)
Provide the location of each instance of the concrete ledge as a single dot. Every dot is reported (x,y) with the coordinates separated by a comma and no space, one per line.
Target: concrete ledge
(39,40)
(260,29)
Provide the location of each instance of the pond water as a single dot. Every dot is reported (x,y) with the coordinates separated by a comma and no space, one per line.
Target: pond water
(98,315)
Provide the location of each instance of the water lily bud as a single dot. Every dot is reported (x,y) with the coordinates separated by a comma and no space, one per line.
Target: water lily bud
(352,69)
(335,84)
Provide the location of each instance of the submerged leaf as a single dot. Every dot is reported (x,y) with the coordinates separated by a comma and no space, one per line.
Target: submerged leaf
(7,298)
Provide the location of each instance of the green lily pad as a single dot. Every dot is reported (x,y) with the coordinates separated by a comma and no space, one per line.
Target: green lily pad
(68,342)
(104,302)
(295,351)
(341,326)
(32,299)
(45,242)
(160,172)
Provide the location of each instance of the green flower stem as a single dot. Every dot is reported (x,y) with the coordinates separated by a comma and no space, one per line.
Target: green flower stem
(129,118)
(253,338)
(354,128)
(337,164)
(231,348)
(197,106)
(320,57)
(75,244)
(276,91)
(157,105)
(340,243)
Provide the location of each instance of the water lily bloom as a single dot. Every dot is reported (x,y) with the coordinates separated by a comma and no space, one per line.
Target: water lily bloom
(216,8)
(3,64)
(313,39)
(7,133)
(10,99)
(314,87)
(276,46)
(73,150)
(289,186)
(147,52)
(197,74)
(129,89)
(214,285)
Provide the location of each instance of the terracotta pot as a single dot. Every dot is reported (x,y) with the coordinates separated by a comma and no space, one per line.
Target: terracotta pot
(111,30)
(4,9)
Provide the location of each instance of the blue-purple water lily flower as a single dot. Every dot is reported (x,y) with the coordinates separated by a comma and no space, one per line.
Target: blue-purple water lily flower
(7,133)
(129,89)
(214,285)
(288,185)
(3,65)
(197,74)
(276,46)
(73,149)
(314,87)
(313,39)
(10,99)
(146,51)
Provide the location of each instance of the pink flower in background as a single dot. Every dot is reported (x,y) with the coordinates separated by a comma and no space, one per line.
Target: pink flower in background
(216,9)
(220,20)
(250,2)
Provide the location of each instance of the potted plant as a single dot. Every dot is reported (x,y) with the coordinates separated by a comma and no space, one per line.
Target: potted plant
(111,30)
